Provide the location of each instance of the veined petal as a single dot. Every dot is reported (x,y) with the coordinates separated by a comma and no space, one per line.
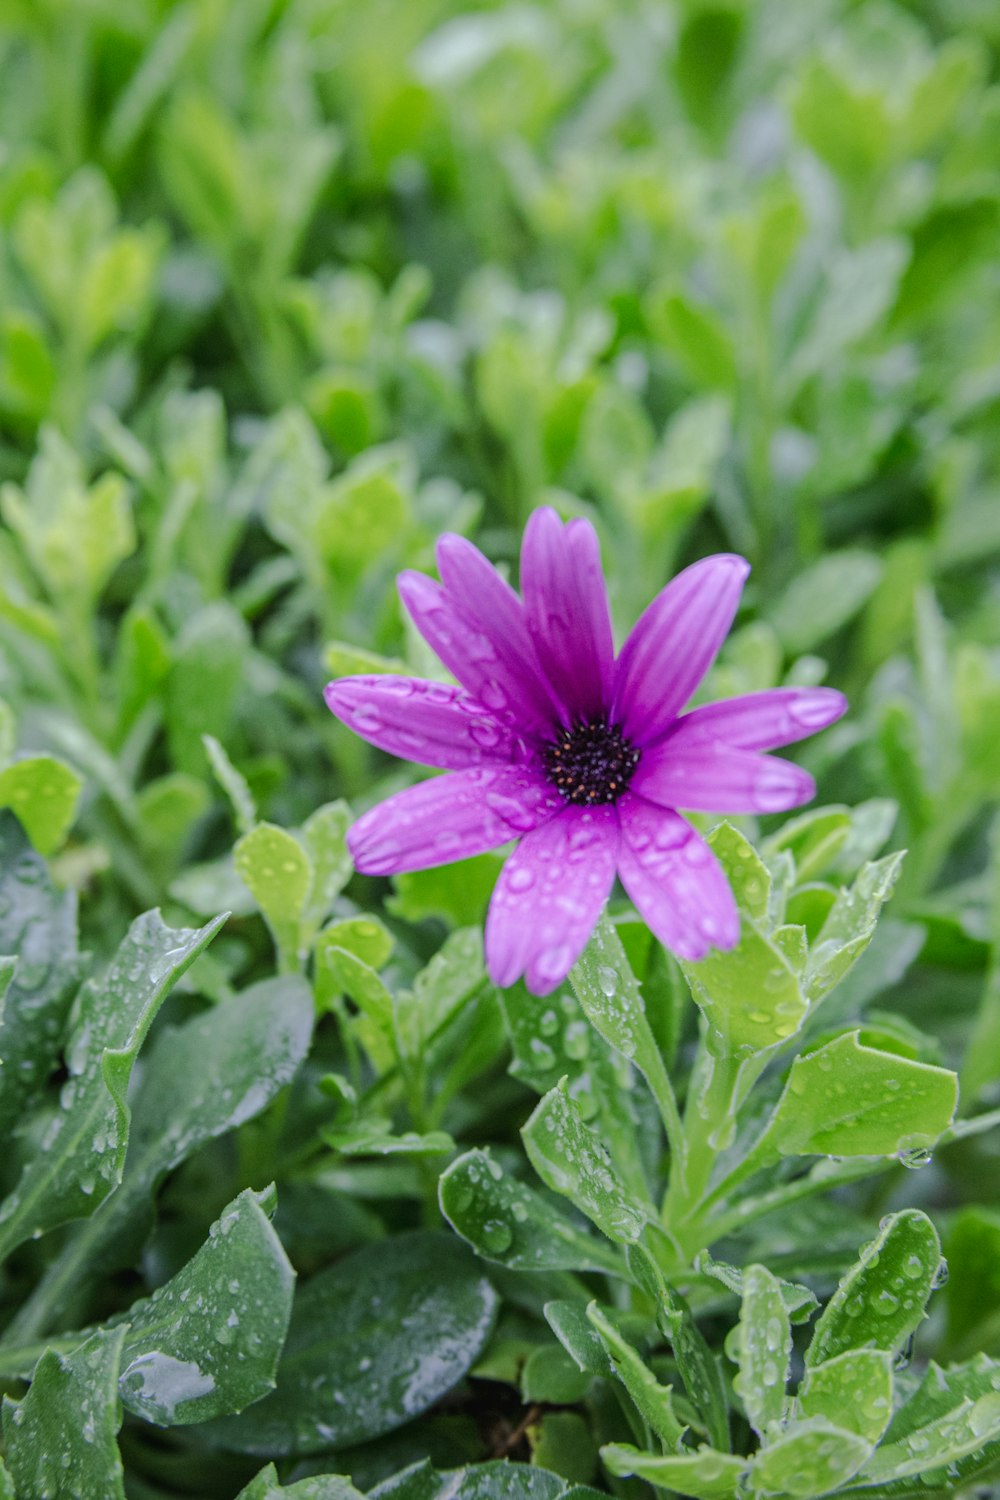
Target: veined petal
(428,722)
(451,817)
(761,721)
(675,881)
(673,644)
(708,777)
(471,645)
(566,605)
(549,895)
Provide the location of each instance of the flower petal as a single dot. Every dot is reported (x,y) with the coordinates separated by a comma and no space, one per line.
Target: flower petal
(472,647)
(451,817)
(675,881)
(708,777)
(566,605)
(428,722)
(549,895)
(673,644)
(761,721)
(489,600)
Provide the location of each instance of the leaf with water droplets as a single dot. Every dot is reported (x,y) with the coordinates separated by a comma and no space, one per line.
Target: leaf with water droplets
(800,1303)
(324,839)
(497,1479)
(279,875)
(704,1474)
(38,924)
(374,1341)
(849,925)
(881,1300)
(700,1369)
(509,1223)
(652,1400)
(852,1390)
(207,1342)
(6,1483)
(809,1458)
(61,1438)
(761,1344)
(942,1439)
(750,995)
(551,1038)
(846,1099)
(83,1151)
(201,1079)
(441,990)
(266,1486)
(571,1160)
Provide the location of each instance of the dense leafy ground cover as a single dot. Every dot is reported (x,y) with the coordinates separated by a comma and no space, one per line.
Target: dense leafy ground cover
(288,288)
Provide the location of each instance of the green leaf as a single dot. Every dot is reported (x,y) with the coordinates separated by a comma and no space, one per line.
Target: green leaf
(208,665)
(457,894)
(441,990)
(652,1400)
(200,1080)
(84,1149)
(551,1038)
(43,792)
(853,1390)
(75,535)
(366,937)
(562,1442)
(320,1487)
(973,1249)
(881,1300)
(572,1327)
(507,1222)
(846,1099)
(207,1342)
(699,1367)
(857,292)
(279,875)
(704,1474)
(376,1138)
(61,1438)
(374,1341)
(850,924)
(493,1480)
(608,993)
(571,1160)
(696,337)
(823,598)
(943,1437)
(232,783)
(324,838)
(550,1375)
(38,923)
(808,1459)
(758,969)
(761,1344)
(800,1303)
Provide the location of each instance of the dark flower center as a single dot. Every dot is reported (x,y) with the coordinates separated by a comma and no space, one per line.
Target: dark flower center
(591,763)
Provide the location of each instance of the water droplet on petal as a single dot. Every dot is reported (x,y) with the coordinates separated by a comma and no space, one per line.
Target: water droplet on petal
(493,694)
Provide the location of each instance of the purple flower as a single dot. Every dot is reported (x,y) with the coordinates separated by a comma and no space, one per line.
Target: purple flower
(582,756)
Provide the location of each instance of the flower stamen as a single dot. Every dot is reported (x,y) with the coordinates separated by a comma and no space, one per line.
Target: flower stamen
(591,763)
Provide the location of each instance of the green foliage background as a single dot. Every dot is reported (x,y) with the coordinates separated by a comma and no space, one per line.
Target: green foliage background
(288,287)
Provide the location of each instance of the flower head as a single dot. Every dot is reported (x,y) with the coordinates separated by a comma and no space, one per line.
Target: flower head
(582,756)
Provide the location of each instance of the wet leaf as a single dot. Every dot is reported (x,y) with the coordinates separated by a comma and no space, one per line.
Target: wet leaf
(84,1149)
(374,1340)
(207,1342)
(61,1437)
